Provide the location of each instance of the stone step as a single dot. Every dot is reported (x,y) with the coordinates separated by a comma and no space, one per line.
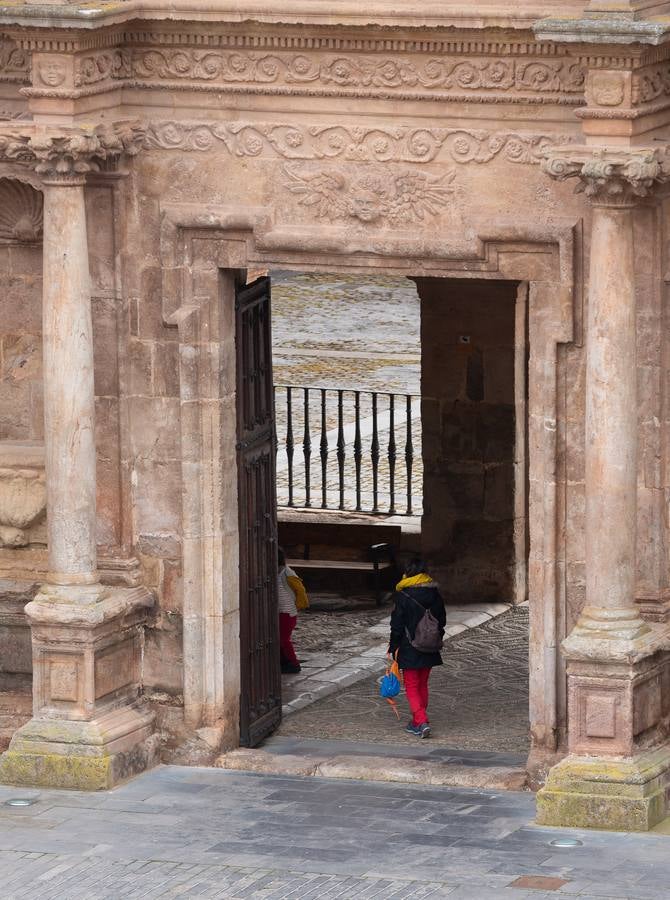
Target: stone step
(375,768)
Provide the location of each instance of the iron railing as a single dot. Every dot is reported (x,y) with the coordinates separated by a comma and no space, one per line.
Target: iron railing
(348,450)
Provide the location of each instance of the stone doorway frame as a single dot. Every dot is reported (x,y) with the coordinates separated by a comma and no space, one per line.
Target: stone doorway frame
(201,250)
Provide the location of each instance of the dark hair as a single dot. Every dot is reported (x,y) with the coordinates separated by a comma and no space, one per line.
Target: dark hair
(281,557)
(414,567)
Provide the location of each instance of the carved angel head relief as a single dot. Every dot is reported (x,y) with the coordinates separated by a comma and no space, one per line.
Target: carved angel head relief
(370,193)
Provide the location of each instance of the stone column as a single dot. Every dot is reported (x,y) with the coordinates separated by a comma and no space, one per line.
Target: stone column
(89,727)
(618,665)
(69,401)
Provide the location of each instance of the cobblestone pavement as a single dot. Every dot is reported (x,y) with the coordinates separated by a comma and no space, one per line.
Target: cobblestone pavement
(358,334)
(479,697)
(180,832)
(327,623)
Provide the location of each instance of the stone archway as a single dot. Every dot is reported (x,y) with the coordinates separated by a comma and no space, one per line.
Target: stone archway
(201,250)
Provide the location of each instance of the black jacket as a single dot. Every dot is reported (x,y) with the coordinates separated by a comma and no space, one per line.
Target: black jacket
(406,615)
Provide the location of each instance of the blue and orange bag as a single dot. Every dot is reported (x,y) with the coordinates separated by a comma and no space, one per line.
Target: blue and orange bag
(390,686)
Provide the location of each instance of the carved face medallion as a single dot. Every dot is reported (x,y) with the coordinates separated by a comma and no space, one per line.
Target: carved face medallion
(52,72)
(607,89)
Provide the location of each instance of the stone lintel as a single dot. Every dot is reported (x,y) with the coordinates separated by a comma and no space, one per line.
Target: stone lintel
(614,794)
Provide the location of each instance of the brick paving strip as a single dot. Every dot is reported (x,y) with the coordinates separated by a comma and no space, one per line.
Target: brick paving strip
(184,832)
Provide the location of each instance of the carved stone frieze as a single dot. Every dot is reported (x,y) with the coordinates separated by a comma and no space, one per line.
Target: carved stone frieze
(376,144)
(344,74)
(371,194)
(651,83)
(20,211)
(14,63)
(608,176)
(99,67)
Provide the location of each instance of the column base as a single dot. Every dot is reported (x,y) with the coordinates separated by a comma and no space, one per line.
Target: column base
(610,794)
(90,727)
(85,756)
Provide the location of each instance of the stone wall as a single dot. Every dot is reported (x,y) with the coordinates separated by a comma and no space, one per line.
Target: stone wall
(21,407)
(468,409)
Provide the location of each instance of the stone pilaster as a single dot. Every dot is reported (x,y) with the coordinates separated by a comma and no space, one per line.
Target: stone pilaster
(618,665)
(89,727)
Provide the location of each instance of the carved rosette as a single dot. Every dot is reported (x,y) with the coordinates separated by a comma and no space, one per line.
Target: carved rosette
(608,177)
(66,156)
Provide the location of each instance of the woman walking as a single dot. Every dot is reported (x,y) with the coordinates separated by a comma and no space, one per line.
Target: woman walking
(417,629)
(292,597)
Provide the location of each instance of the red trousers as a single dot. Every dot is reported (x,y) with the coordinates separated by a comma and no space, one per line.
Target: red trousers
(286,625)
(416,688)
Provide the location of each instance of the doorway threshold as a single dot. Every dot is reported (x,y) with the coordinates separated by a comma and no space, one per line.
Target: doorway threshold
(366,761)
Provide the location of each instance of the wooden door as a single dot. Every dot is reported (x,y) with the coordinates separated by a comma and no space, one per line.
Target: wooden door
(260,710)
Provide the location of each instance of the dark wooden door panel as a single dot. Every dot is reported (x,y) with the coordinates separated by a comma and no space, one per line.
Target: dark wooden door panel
(260,710)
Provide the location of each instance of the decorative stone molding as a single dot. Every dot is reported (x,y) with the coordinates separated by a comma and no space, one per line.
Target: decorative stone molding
(651,83)
(360,144)
(21,212)
(608,176)
(372,195)
(14,63)
(69,154)
(284,39)
(355,71)
(99,67)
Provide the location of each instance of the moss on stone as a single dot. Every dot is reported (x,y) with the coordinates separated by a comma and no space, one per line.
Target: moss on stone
(580,810)
(614,794)
(84,773)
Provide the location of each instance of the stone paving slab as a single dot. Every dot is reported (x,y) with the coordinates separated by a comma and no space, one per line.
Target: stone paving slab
(181,832)
(342,665)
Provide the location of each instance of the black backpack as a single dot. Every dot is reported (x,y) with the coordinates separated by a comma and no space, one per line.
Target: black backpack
(427,637)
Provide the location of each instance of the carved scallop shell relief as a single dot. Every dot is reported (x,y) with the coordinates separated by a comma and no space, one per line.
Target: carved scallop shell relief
(20,211)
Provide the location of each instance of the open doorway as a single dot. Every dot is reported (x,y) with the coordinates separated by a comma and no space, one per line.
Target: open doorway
(401,408)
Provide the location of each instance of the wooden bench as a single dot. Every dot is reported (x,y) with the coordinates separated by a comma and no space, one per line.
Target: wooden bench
(349,547)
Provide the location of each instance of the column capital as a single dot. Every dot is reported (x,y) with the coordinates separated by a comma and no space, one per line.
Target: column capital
(609,176)
(67,155)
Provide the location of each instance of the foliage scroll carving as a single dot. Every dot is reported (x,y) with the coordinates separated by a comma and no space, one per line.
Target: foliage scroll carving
(347,72)
(380,144)
(14,63)
(100,67)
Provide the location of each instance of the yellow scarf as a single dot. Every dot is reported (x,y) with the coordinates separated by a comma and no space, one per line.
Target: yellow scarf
(414,581)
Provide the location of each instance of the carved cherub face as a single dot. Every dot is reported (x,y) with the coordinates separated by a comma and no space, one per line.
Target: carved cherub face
(52,72)
(366,206)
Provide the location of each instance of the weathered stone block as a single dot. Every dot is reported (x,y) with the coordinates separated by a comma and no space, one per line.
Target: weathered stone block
(617,795)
